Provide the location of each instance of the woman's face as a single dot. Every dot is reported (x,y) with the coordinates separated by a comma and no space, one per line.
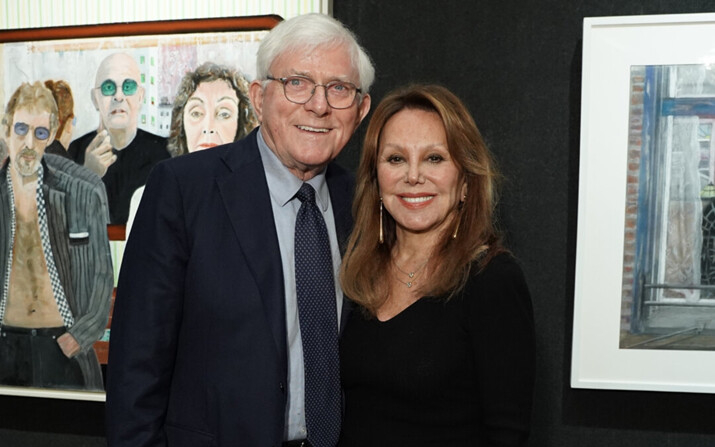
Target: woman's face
(211,115)
(418,180)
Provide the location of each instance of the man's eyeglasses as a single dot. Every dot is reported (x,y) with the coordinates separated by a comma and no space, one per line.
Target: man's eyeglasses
(299,90)
(41,133)
(109,87)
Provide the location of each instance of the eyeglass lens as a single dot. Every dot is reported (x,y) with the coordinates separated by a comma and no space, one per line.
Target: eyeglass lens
(109,87)
(41,133)
(298,89)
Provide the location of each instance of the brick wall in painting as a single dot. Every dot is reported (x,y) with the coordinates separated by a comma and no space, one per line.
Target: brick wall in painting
(635,129)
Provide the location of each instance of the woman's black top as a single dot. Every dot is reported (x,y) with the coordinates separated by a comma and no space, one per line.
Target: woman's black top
(444,373)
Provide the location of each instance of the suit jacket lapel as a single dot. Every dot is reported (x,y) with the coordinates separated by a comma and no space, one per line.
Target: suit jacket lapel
(245,195)
(247,200)
(341,185)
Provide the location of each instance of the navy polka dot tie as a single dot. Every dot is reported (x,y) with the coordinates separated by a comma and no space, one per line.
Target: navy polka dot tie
(317,312)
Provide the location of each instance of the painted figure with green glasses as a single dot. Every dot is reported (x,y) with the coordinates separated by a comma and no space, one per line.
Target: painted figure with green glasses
(118,151)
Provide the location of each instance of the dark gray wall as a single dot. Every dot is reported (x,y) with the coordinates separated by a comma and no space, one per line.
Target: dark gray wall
(517,66)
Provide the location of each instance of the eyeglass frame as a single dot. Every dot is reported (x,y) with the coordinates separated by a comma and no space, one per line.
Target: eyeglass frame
(284,80)
(117,87)
(17,128)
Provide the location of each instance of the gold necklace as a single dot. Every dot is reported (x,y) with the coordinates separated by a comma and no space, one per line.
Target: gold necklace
(407,283)
(411,274)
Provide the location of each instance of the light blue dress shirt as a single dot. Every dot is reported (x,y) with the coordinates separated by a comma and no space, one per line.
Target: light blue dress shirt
(283,186)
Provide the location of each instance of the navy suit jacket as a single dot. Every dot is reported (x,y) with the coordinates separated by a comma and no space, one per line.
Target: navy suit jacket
(198,341)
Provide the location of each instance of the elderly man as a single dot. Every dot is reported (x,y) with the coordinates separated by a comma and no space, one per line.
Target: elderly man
(228,309)
(118,151)
(54,254)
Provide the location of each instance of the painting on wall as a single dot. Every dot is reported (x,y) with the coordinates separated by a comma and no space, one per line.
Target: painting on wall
(644,314)
(91,109)
(668,300)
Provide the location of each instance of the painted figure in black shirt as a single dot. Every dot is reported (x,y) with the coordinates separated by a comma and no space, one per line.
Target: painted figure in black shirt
(118,151)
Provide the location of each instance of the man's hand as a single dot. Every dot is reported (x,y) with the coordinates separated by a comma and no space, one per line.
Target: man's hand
(98,156)
(68,344)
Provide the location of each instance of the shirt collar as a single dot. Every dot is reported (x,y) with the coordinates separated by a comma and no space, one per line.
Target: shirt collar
(282,184)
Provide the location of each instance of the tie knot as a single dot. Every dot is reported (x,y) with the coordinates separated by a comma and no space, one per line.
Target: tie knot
(306,194)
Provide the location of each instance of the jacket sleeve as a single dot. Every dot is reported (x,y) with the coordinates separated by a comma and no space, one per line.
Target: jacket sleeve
(95,279)
(147,316)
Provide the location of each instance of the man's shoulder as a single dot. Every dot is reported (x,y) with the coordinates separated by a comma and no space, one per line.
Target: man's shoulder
(141,133)
(56,148)
(83,190)
(336,171)
(64,172)
(339,177)
(231,156)
(84,139)
(151,145)
(151,139)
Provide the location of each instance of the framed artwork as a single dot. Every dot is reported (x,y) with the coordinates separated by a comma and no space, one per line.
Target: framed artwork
(644,314)
(88,59)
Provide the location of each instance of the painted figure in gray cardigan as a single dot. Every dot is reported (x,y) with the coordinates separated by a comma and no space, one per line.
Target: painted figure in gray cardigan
(55,262)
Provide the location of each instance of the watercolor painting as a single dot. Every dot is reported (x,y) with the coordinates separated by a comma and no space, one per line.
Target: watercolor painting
(115,88)
(669,249)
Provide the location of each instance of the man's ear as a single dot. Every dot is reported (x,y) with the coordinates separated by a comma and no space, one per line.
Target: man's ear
(93,94)
(53,134)
(255,93)
(364,107)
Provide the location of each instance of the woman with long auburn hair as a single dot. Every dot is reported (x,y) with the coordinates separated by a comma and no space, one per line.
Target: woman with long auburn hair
(442,352)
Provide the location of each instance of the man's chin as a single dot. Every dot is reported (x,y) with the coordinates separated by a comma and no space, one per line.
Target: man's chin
(117,122)
(26,170)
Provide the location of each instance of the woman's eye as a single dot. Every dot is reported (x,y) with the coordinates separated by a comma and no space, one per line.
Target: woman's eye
(224,114)
(394,159)
(435,158)
(196,114)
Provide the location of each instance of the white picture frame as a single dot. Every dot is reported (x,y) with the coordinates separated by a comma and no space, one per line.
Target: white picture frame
(611,45)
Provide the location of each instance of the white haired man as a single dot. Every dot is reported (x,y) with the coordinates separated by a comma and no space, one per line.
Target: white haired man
(213,339)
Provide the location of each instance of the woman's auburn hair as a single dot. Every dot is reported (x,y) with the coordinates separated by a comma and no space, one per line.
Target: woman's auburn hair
(62,93)
(367,261)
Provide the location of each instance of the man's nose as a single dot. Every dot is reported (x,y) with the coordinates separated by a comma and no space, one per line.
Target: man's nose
(30,139)
(318,103)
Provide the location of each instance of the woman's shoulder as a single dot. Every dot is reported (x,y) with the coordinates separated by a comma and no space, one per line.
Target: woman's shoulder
(499,287)
(501,276)
(502,265)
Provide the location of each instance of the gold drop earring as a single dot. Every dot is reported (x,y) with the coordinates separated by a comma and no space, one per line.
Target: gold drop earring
(381,238)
